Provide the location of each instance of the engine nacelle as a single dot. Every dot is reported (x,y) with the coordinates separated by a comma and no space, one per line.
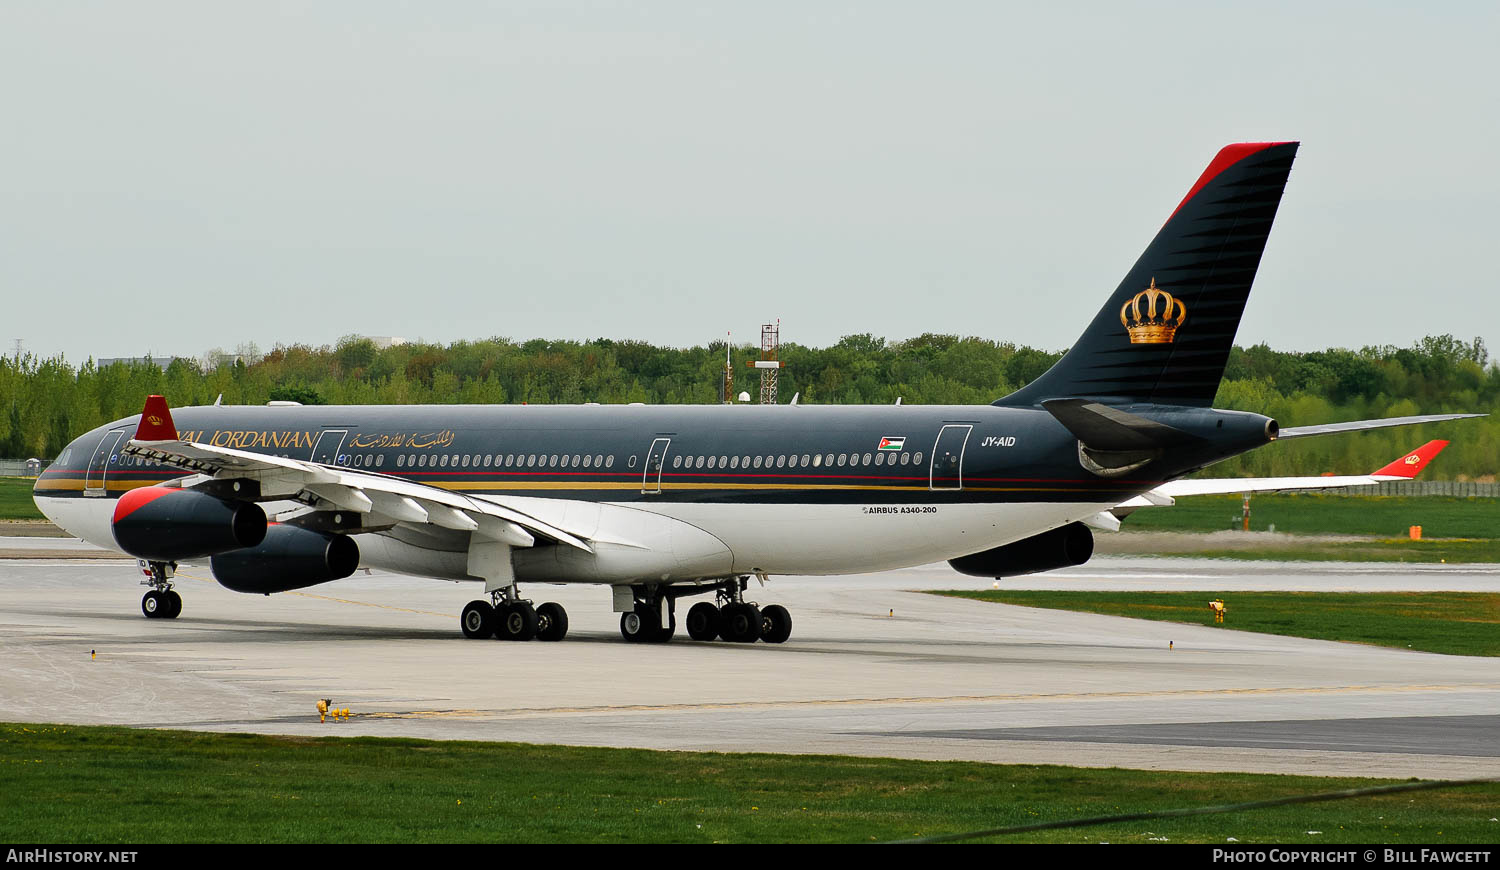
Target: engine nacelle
(289,558)
(1063,547)
(161,524)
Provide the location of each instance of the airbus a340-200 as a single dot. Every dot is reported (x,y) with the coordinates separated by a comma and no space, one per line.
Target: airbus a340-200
(661,503)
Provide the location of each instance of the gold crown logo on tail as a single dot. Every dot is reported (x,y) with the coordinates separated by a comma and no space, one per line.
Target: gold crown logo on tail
(1164,314)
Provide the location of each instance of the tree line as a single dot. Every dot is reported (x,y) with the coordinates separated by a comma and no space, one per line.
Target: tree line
(45,403)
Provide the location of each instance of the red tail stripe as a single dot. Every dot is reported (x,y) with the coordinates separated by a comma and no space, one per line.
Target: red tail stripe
(1227,157)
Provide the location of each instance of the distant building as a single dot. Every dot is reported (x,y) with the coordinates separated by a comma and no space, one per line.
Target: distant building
(382,342)
(161,362)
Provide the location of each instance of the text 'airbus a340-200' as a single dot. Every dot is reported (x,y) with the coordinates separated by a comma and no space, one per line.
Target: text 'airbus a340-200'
(665,502)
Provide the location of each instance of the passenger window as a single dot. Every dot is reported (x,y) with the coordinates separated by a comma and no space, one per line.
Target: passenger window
(699,463)
(575,460)
(734,462)
(757,462)
(487,460)
(804,460)
(880,459)
(552,461)
(711,462)
(842,457)
(780,461)
(817,460)
(867,459)
(791,461)
(723,461)
(676,461)
(380,460)
(918,458)
(588,461)
(400,461)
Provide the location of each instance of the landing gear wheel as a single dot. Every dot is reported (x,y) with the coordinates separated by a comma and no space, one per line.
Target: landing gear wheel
(640,626)
(174,605)
(478,619)
(154,605)
(517,621)
(775,624)
(703,621)
(741,624)
(552,622)
(634,627)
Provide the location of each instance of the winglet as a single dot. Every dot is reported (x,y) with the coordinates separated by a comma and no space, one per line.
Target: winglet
(156,421)
(1411,464)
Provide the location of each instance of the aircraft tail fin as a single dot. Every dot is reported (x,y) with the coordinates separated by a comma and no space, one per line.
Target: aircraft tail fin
(156,421)
(1165,334)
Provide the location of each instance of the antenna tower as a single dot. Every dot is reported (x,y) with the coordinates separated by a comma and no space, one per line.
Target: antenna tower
(769,365)
(728,371)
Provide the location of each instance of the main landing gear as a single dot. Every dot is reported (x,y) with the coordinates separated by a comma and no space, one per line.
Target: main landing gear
(730,617)
(161,602)
(507,617)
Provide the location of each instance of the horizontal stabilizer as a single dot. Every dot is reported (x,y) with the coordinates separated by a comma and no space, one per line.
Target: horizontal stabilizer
(1102,427)
(1359,425)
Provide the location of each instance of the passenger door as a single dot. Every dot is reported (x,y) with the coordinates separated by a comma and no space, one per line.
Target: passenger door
(326,450)
(99,462)
(948,457)
(651,477)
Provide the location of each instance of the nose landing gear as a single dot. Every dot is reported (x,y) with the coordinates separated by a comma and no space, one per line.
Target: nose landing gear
(161,602)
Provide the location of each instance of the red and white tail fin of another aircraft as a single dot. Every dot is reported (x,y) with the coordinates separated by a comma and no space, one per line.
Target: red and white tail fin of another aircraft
(1405,468)
(156,422)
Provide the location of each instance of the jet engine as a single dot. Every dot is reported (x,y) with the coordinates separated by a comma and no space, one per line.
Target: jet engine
(168,525)
(290,557)
(1062,547)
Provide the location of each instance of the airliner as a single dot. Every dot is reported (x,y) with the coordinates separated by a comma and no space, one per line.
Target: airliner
(667,502)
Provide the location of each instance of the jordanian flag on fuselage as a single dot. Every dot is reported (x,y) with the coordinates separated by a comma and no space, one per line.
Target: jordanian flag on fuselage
(889,443)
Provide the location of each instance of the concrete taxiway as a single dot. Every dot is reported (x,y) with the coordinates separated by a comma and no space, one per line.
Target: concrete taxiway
(873,668)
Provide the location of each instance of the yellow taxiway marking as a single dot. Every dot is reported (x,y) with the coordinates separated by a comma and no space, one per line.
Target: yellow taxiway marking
(946,699)
(336,600)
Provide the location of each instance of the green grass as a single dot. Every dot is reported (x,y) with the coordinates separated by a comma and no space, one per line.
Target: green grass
(15,499)
(1312,514)
(1456,623)
(73,784)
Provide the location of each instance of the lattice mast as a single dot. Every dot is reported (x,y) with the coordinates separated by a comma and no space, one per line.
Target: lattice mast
(728,370)
(769,365)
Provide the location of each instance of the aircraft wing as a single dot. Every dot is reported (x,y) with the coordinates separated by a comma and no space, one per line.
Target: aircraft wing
(381,499)
(1405,468)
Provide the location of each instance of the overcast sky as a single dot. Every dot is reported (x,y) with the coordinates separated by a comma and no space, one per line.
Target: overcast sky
(180,176)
